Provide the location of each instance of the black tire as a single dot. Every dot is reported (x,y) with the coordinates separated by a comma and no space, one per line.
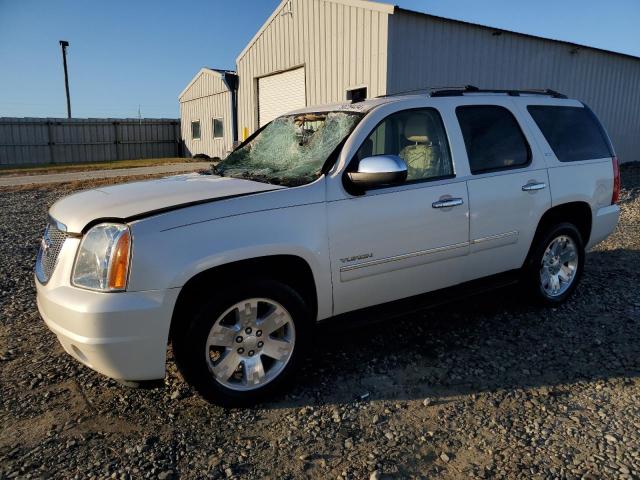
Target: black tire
(531,273)
(190,347)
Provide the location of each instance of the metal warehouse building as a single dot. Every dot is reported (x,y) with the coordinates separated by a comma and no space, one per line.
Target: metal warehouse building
(312,52)
(208,108)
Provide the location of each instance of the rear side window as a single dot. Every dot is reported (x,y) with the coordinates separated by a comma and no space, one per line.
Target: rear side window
(574,133)
(493,138)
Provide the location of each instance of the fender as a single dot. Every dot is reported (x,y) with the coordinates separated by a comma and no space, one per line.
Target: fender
(170,258)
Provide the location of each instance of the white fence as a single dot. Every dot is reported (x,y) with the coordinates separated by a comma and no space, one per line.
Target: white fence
(61,140)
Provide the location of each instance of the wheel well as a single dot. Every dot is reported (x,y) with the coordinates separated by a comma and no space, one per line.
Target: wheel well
(577,213)
(289,269)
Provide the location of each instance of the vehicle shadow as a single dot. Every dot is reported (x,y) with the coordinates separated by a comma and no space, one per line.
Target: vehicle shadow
(485,343)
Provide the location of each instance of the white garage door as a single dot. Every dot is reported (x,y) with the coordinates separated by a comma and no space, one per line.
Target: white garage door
(280,93)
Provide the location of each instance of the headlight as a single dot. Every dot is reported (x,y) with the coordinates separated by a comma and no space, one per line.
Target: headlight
(102,262)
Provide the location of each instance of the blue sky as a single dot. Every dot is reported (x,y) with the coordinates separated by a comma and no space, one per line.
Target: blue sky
(142,52)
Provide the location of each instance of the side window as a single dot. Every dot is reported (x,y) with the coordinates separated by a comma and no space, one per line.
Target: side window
(218,128)
(416,136)
(195,130)
(574,133)
(493,138)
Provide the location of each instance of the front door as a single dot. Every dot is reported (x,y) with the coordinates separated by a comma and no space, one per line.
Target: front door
(395,242)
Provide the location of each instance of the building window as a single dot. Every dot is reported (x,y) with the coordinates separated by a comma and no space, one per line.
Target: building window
(195,130)
(493,138)
(357,94)
(218,128)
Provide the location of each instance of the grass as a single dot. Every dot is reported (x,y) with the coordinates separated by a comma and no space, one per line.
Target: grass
(37,169)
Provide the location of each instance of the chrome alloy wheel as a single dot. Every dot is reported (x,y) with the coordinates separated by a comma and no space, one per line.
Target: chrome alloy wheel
(250,344)
(559,266)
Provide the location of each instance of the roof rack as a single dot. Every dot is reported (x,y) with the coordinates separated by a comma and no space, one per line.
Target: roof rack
(459,91)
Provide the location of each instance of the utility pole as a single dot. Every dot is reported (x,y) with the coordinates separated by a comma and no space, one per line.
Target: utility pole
(64,44)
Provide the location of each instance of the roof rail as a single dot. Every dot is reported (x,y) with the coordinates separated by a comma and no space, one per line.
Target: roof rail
(425,90)
(459,91)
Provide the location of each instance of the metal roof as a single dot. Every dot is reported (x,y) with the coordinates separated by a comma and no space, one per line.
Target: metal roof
(501,30)
(205,70)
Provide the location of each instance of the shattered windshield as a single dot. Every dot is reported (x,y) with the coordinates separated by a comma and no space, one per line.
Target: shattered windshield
(291,150)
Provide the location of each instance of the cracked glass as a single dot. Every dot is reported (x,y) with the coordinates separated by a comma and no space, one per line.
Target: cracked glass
(291,150)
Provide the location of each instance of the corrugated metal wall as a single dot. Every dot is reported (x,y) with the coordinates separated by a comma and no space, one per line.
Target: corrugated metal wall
(60,140)
(428,51)
(207,98)
(341,45)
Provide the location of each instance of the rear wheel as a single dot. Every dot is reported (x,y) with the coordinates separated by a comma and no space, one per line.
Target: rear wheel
(243,346)
(556,264)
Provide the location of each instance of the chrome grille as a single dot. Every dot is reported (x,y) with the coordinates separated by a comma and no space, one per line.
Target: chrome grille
(50,247)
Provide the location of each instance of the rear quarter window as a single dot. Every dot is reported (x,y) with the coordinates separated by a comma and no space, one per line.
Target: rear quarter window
(573,133)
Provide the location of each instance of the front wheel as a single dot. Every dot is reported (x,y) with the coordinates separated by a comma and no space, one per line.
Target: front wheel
(556,264)
(243,346)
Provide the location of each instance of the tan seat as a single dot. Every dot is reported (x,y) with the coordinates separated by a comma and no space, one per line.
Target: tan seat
(420,157)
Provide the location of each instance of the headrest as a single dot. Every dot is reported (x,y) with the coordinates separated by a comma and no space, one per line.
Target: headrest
(415,130)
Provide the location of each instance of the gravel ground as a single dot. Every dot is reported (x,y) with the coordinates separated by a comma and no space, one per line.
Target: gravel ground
(486,388)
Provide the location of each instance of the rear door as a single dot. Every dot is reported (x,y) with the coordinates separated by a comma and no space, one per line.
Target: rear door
(508,185)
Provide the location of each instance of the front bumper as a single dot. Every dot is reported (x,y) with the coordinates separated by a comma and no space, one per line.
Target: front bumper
(122,335)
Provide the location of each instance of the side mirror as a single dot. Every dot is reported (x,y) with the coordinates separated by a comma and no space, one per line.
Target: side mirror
(377,171)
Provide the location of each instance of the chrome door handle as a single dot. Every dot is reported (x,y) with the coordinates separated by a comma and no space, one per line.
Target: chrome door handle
(447,202)
(532,187)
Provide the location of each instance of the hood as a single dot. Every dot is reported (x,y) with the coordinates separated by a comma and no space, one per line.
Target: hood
(132,200)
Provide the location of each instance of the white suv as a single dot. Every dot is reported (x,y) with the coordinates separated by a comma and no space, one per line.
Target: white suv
(323,213)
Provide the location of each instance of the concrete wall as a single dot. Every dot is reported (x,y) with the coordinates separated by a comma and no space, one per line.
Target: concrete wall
(426,51)
(204,99)
(342,44)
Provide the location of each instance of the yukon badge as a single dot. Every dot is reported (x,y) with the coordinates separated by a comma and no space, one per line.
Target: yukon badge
(362,256)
